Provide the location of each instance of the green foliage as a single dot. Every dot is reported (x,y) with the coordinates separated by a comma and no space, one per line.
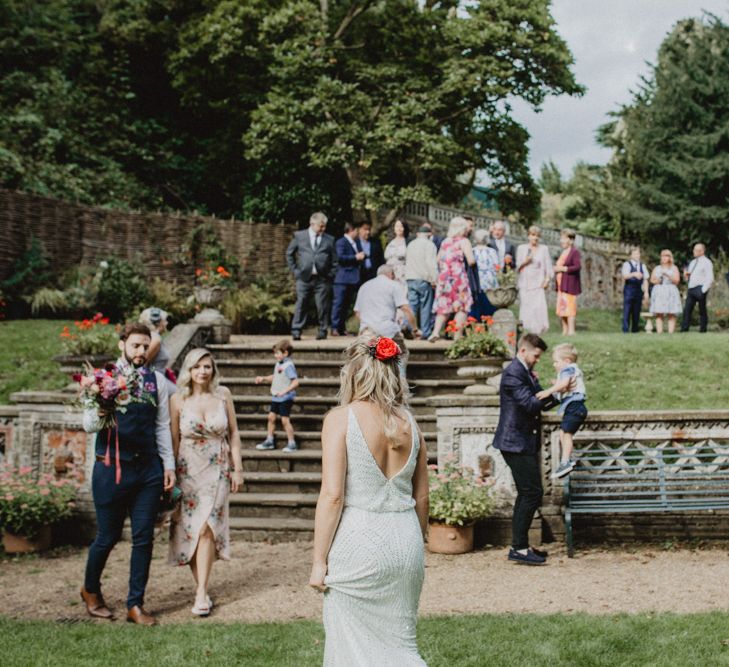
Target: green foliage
(30,273)
(90,337)
(27,503)
(48,300)
(550,180)
(475,342)
(122,289)
(457,496)
(263,307)
(175,299)
(670,166)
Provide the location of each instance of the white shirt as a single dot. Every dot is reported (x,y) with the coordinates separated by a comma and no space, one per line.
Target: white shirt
(500,248)
(630,266)
(314,240)
(377,303)
(702,273)
(163,435)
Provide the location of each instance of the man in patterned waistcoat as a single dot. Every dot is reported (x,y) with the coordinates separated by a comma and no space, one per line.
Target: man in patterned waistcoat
(147,466)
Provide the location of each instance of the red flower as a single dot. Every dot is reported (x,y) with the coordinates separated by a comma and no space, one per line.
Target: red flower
(386,348)
(471,319)
(497,267)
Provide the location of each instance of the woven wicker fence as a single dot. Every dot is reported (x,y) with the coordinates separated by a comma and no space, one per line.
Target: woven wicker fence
(73,235)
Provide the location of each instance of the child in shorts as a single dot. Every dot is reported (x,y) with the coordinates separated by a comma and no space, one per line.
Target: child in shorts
(284,382)
(572,403)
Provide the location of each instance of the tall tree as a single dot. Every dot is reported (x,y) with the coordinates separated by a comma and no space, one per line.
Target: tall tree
(670,165)
(403,97)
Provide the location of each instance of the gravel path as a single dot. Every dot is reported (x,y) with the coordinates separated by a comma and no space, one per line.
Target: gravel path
(268,583)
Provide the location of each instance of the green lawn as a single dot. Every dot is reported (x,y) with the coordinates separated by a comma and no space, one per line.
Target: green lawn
(462,641)
(27,348)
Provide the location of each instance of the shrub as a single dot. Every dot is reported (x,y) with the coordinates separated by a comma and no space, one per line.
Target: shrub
(477,341)
(48,300)
(30,273)
(93,336)
(457,496)
(122,289)
(28,503)
(176,299)
(81,290)
(265,306)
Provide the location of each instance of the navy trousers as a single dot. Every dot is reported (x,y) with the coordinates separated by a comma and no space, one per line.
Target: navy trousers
(344,296)
(632,300)
(138,495)
(693,296)
(528,481)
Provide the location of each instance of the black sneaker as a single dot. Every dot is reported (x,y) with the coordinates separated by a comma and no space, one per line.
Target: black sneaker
(296,336)
(529,558)
(541,553)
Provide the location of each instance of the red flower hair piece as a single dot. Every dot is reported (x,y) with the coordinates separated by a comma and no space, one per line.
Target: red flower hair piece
(384,349)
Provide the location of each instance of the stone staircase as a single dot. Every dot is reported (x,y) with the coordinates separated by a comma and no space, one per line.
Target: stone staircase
(278,499)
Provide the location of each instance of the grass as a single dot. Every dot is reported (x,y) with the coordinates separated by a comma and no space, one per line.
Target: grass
(623,372)
(27,348)
(467,641)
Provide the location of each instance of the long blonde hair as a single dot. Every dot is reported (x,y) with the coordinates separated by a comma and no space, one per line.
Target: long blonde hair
(193,357)
(364,378)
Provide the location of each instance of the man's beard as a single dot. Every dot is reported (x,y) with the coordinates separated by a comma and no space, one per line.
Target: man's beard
(132,362)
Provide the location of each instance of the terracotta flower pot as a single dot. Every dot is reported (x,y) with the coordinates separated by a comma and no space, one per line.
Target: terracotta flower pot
(17,544)
(501,297)
(445,539)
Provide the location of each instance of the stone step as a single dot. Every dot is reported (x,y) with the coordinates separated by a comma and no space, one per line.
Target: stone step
(311,421)
(328,368)
(271,529)
(273,505)
(306,440)
(328,387)
(281,482)
(311,405)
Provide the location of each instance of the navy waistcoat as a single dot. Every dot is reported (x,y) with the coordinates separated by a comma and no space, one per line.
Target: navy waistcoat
(634,286)
(136,426)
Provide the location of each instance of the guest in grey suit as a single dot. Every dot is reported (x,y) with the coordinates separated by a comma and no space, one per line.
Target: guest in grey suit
(313,261)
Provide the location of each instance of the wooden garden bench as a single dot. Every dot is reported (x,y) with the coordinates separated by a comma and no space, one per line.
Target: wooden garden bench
(670,479)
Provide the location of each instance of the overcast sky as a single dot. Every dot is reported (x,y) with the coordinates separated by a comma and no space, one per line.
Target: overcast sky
(611,40)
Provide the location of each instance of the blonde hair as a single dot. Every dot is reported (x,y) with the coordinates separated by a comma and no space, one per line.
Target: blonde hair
(457,226)
(192,359)
(534,230)
(666,251)
(364,378)
(565,351)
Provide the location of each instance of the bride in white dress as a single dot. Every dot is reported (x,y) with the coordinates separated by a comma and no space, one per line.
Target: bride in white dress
(371,515)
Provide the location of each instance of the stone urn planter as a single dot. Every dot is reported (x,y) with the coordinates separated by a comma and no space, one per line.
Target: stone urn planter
(446,539)
(502,297)
(209,296)
(17,544)
(479,370)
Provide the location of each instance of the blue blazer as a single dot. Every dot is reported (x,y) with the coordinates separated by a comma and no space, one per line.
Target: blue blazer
(348,267)
(520,417)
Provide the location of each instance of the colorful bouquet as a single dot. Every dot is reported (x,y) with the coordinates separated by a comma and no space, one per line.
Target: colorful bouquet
(107,391)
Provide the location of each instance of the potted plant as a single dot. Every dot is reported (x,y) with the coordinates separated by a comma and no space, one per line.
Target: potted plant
(211,284)
(458,498)
(505,294)
(478,354)
(30,505)
(91,340)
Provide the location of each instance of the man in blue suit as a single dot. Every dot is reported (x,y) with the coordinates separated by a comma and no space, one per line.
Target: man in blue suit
(517,436)
(347,280)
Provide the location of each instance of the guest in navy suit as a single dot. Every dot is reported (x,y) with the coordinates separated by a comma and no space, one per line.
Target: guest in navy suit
(372,248)
(517,436)
(347,279)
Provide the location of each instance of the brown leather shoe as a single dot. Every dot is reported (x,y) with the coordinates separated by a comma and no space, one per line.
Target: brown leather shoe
(95,605)
(139,616)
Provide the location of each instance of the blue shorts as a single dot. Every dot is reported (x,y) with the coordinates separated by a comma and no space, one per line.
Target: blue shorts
(573,417)
(281,408)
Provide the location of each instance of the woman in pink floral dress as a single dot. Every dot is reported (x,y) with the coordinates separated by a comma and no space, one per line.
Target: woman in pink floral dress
(206,441)
(452,291)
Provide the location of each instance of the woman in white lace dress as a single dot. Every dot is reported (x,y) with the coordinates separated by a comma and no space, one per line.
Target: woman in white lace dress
(371,515)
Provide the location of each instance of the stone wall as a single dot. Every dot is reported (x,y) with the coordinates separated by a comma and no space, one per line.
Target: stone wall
(73,235)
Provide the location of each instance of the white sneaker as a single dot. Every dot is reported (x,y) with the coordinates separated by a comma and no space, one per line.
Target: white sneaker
(291,447)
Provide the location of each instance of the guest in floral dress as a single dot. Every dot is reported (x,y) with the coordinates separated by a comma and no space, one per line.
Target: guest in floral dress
(665,298)
(534,266)
(206,442)
(452,293)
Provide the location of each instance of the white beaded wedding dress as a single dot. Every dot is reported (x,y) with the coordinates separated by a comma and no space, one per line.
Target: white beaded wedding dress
(375,565)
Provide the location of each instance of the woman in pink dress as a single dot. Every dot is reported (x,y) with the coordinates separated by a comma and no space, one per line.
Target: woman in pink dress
(452,291)
(535,273)
(207,445)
